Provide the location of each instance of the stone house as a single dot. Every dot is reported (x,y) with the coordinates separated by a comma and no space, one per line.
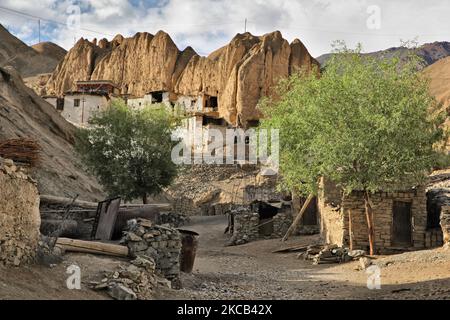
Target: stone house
(264,213)
(400,220)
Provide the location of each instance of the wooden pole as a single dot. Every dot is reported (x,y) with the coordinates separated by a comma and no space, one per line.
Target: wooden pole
(370,228)
(350,228)
(298,218)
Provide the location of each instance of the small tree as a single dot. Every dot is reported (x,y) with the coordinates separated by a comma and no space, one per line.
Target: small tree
(130,151)
(366,124)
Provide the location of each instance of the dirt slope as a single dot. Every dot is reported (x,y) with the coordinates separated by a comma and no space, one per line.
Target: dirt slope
(26,60)
(24,114)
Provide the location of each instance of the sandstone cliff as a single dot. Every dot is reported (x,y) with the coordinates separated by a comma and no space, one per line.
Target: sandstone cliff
(239,74)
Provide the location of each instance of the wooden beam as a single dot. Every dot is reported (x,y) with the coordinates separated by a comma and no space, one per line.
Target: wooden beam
(93,205)
(298,218)
(93,247)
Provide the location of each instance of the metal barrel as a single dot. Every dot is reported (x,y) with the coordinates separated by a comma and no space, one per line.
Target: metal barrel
(189,244)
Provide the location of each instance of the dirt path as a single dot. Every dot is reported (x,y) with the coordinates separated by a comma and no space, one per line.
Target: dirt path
(249,271)
(252,271)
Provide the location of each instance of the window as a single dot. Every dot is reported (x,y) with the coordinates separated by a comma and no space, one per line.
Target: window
(212,121)
(157,97)
(60,104)
(76,102)
(212,102)
(253,123)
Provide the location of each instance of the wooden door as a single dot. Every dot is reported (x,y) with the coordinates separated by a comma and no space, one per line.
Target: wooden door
(402,224)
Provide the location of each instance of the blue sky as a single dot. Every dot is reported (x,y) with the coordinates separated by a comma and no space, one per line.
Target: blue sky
(209,24)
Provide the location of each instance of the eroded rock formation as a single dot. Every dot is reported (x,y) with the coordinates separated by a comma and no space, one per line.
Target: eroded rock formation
(239,74)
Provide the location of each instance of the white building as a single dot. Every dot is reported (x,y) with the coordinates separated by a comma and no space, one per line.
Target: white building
(90,97)
(150,98)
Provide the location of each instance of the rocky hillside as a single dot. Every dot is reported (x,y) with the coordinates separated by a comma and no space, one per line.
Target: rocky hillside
(50,50)
(439,75)
(28,61)
(24,114)
(239,74)
(429,52)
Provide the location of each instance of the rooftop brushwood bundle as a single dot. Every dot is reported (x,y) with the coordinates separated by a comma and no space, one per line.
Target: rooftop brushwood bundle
(22,151)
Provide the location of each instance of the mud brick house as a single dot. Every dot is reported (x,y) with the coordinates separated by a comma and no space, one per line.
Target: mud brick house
(400,220)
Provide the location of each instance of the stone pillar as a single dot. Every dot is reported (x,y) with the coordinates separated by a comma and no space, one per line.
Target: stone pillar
(19,216)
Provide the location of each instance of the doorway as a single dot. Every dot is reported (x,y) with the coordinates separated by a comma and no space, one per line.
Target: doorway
(402,224)
(266,214)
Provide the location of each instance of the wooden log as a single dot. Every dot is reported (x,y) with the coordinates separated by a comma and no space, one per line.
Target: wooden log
(93,247)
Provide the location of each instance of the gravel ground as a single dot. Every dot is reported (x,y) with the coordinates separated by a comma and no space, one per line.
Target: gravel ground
(252,271)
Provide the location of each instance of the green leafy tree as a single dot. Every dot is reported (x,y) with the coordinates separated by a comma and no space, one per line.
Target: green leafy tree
(366,124)
(130,150)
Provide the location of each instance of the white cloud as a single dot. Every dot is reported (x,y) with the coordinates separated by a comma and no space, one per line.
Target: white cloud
(208,24)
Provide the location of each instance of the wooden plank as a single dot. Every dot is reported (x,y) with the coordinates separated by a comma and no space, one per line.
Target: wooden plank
(295,248)
(93,247)
(108,211)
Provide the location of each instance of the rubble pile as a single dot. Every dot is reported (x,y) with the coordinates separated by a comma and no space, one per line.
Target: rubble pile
(19,215)
(162,244)
(173,219)
(330,254)
(136,280)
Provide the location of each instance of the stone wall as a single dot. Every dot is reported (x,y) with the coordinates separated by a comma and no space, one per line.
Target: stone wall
(281,224)
(247,226)
(162,244)
(186,206)
(19,215)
